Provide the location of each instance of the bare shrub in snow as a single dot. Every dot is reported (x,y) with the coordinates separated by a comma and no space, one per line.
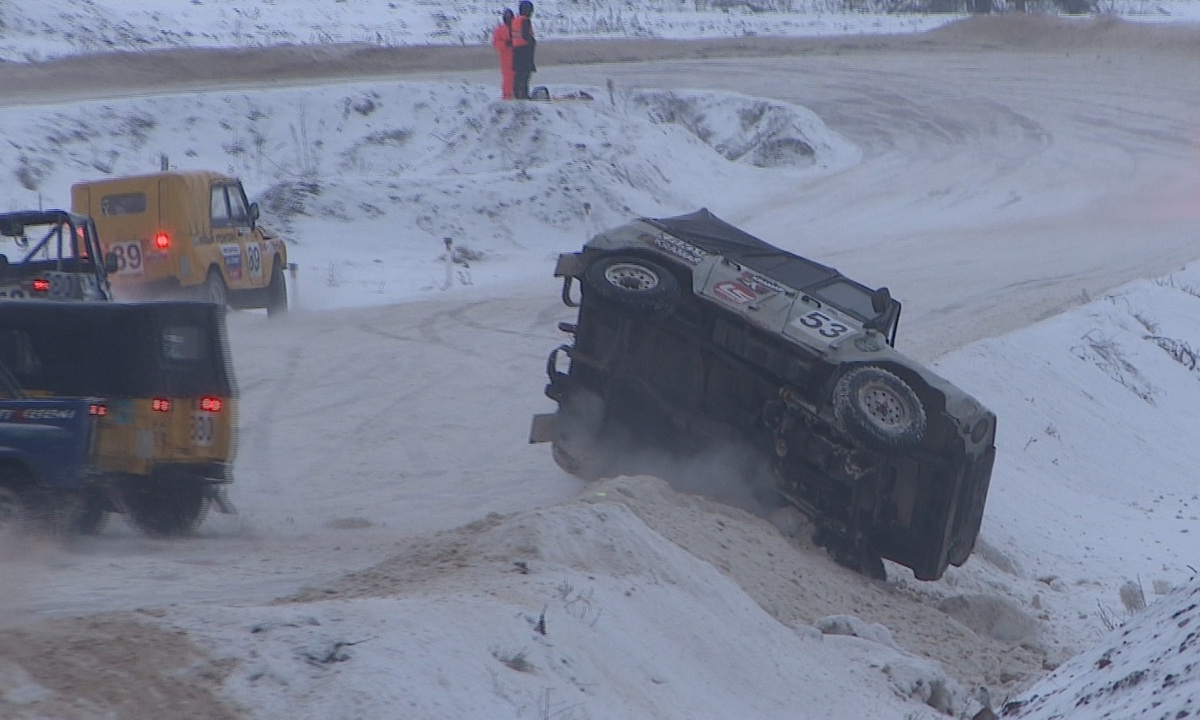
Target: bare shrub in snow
(1180,350)
(518,660)
(288,198)
(1107,355)
(364,105)
(1173,281)
(31,172)
(1132,597)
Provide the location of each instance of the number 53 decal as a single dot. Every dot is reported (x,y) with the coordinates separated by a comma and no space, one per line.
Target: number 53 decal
(823,325)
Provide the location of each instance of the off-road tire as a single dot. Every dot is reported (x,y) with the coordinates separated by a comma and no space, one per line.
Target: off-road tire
(578,460)
(214,289)
(632,286)
(91,515)
(277,299)
(164,506)
(879,409)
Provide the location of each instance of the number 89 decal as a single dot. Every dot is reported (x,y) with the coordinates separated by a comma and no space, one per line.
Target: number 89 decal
(129,257)
(821,324)
(254,259)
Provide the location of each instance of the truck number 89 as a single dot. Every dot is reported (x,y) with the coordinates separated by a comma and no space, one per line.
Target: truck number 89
(129,257)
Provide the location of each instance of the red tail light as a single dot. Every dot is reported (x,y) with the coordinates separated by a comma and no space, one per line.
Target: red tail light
(160,405)
(97,410)
(211,404)
(41,285)
(162,241)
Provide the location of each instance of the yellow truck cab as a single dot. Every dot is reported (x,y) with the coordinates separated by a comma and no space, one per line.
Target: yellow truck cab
(186,234)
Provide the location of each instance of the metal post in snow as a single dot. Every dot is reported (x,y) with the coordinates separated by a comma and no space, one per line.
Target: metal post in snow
(293,273)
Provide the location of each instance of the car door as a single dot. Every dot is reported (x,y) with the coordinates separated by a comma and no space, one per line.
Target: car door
(249,236)
(233,231)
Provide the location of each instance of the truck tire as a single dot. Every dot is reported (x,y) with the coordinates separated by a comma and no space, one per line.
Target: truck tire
(277,299)
(164,506)
(214,290)
(89,517)
(879,409)
(632,286)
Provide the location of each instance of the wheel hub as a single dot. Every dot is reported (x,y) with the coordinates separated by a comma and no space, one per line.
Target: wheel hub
(884,406)
(631,277)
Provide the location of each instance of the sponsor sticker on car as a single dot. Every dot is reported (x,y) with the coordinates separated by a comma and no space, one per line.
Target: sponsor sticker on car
(232,255)
(685,251)
(734,292)
(759,284)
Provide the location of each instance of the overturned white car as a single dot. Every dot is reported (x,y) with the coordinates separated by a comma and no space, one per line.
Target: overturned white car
(693,334)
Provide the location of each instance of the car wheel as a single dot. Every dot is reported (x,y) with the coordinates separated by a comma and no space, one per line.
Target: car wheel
(214,290)
(164,506)
(277,300)
(634,286)
(879,408)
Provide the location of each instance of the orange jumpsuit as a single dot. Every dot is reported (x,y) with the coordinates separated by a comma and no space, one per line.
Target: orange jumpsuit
(502,41)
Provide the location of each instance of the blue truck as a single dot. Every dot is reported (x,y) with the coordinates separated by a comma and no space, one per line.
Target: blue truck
(48,471)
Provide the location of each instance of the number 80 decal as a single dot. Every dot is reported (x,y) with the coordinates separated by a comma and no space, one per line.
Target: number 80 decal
(204,429)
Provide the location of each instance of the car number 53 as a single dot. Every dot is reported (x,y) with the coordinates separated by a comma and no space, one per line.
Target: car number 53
(818,322)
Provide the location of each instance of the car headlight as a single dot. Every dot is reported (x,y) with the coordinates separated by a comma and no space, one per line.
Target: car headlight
(980,431)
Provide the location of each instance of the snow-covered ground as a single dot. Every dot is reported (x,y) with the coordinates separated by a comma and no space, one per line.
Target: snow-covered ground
(34,31)
(47,29)
(383,423)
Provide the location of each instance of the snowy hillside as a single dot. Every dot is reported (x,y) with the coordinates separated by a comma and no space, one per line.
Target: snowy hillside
(366,182)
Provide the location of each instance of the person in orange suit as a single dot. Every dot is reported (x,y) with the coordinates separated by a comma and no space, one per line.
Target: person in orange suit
(523,43)
(502,41)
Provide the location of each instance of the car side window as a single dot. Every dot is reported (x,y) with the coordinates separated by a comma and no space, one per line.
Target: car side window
(220,207)
(239,212)
(123,204)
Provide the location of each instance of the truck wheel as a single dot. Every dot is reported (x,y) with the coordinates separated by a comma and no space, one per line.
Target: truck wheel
(879,408)
(214,290)
(89,516)
(164,506)
(277,300)
(636,287)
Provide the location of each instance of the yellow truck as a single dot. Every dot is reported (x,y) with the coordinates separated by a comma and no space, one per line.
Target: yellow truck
(165,433)
(186,235)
